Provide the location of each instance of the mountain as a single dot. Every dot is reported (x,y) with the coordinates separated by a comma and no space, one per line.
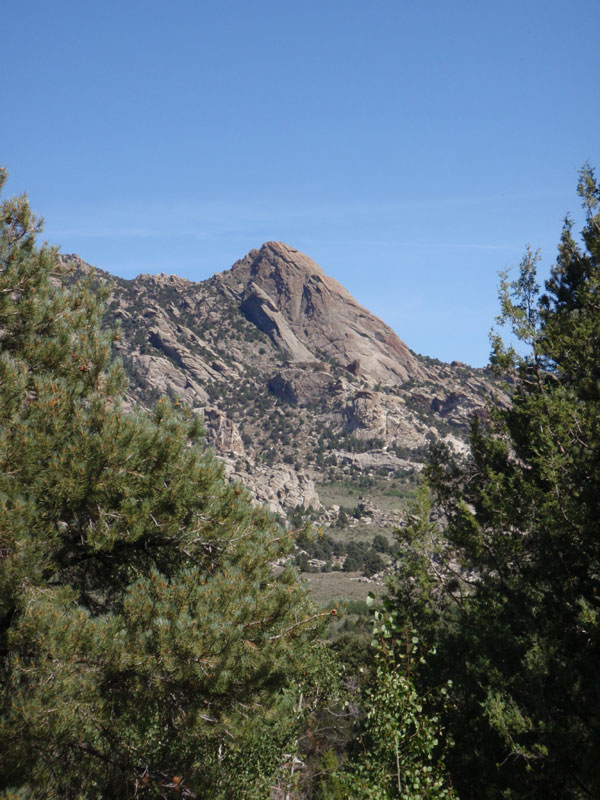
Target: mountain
(308,398)
(281,285)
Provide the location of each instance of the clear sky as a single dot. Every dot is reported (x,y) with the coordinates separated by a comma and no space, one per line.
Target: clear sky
(411,148)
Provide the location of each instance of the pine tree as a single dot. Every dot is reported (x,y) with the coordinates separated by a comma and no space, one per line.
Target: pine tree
(147,648)
(519,631)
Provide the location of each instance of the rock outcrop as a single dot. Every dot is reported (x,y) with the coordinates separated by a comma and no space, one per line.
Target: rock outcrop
(304,384)
(324,316)
(262,311)
(221,433)
(281,488)
(366,415)
(297,384)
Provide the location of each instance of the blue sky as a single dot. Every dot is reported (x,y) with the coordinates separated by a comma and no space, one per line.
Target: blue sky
(412,149)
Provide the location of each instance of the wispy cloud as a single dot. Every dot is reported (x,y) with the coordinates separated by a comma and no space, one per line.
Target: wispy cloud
(199,220)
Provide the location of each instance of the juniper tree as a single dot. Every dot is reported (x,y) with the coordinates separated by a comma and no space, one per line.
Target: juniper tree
(519,633)
(147,647)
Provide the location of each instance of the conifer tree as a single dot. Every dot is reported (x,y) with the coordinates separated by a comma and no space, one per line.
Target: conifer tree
(147,648)
(519,633)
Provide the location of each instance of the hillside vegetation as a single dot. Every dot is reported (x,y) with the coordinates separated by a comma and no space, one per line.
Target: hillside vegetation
(156,637)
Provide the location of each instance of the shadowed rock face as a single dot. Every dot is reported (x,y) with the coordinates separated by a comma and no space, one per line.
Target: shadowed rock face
(263,312)
(320,313)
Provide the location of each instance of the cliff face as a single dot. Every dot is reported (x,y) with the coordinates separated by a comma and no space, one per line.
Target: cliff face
(323,316)
(298,385)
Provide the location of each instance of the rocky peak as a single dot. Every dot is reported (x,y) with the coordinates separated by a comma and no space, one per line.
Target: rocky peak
(283,365)
(322,315)
(276,260)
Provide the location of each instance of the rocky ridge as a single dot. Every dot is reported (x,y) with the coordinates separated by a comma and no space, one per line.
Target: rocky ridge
(298,385)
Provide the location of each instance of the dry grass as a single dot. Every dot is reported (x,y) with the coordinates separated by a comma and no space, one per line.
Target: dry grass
(388,495)
(330,588)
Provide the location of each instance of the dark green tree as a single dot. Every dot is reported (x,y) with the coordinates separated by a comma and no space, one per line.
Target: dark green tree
(513,600)
(147,648)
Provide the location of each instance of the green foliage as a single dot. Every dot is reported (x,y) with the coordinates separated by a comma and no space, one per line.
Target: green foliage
(421,547)
(513,601)
(146,647)
(360,555)
(381,543)
(400,749)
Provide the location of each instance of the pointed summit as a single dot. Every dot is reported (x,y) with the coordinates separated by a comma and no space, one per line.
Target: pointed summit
(322,315)
(218,345)
(280,256)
